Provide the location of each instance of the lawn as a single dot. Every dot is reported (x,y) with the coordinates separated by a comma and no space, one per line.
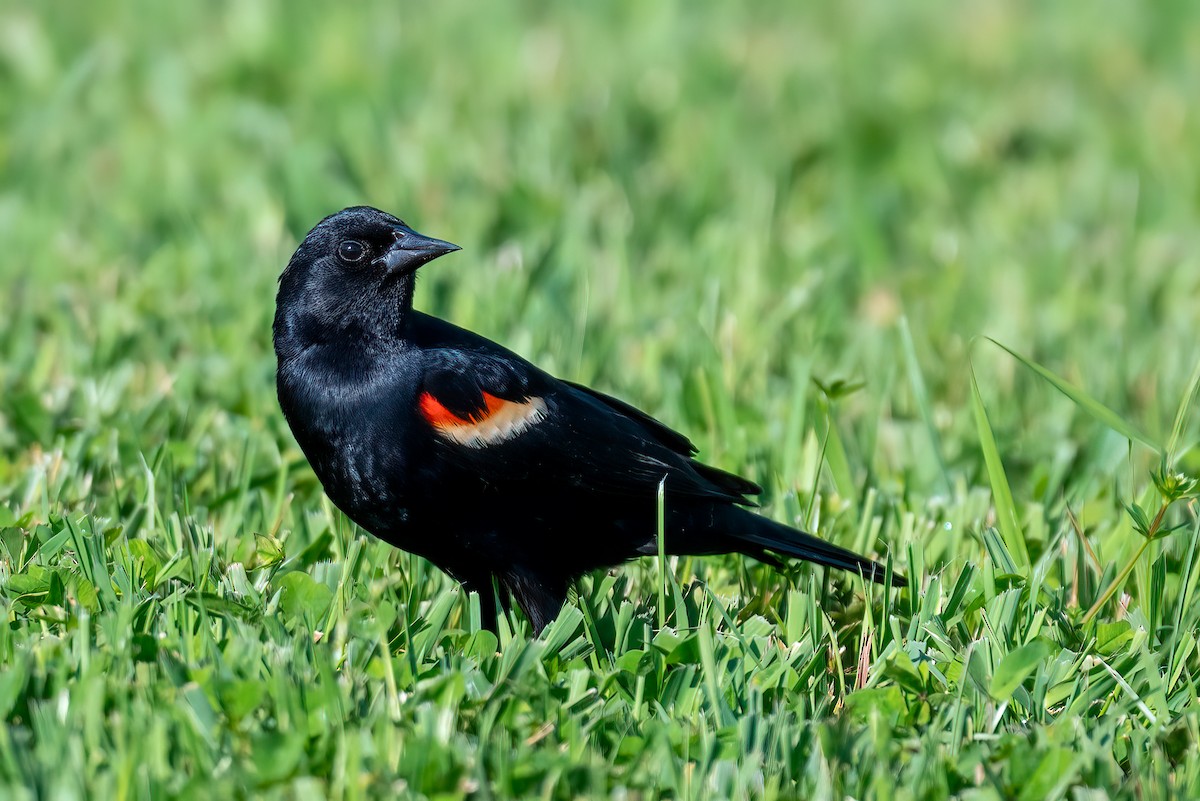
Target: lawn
(796,232)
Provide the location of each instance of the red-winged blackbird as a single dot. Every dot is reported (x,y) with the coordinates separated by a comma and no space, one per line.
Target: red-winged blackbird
(447,445)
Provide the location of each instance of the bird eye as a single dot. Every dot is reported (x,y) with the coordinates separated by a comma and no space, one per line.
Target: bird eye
(351,250)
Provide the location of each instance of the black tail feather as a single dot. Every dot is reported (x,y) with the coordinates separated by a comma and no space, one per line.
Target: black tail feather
(760,532)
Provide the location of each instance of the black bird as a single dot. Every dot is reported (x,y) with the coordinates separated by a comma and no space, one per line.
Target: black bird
(447,445)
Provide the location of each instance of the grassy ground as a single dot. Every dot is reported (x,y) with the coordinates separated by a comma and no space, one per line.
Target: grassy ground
(783,231)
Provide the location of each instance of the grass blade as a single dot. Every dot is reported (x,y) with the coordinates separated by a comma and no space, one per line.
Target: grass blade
(1084,401)
(1181,415)
(661,534)
(1006,510)
(921,396)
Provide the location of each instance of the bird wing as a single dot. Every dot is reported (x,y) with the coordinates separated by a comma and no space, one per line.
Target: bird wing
(669,437)
(663,433)
(505,420)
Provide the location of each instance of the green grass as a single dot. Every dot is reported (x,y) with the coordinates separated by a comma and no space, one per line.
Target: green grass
(784,231)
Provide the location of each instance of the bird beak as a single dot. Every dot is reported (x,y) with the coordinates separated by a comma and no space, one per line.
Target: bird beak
(410,250)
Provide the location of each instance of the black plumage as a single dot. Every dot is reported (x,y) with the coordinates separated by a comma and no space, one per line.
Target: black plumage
(450,446)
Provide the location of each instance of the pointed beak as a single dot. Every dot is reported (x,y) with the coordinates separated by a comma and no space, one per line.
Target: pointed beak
(410,250)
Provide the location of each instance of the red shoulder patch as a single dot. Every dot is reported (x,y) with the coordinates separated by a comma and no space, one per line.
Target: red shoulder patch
(498,421)
(440,416)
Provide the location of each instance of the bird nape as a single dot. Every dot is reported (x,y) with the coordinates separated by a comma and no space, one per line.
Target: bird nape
(450,446)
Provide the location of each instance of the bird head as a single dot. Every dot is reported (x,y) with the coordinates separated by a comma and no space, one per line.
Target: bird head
(354,270)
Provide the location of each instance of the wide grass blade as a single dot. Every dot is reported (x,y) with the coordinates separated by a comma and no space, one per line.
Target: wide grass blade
(1016,666)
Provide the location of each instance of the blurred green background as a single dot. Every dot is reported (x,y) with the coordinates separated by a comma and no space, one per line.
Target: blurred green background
(709,209)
